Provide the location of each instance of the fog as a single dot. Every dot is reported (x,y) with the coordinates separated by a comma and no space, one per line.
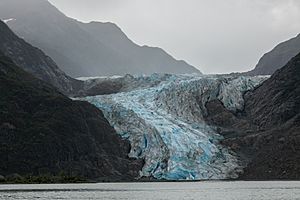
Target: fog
(216,36)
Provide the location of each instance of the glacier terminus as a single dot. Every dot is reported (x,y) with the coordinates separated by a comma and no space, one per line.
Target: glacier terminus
(163,118)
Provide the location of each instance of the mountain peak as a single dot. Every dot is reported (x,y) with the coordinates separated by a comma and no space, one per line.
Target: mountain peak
(33,60)
(277,57)
(86,49)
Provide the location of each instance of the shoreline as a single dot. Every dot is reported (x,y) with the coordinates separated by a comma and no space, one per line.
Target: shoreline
(76,180)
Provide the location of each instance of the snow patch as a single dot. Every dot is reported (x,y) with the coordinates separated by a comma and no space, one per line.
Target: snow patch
(8,20)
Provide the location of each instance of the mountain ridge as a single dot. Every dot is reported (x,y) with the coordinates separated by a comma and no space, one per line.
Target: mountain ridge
(277,58)
(34,61)
(78,51)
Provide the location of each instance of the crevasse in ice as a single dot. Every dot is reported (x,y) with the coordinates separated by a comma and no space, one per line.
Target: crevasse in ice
(164,123)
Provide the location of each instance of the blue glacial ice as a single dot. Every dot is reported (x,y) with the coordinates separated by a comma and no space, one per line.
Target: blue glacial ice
(164,123)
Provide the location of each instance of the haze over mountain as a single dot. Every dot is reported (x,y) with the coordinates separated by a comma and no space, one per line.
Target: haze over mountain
(85,49)
(215,35)
(277,58)
(34,61)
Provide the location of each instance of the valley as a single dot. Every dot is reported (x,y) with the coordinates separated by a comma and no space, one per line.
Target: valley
(81,101)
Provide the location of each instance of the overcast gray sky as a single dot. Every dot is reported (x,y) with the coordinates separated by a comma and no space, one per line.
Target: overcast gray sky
(217,36)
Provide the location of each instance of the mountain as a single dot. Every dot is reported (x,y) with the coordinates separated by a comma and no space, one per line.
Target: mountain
(85,49)
(266,132)
(44,132)
(144,59)
(277,58)
(274,108)
(34,61)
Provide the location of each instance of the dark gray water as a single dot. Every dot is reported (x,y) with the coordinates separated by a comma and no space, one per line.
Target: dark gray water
(157,191)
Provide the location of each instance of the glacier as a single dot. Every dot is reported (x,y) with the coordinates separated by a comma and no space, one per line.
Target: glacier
(163,118)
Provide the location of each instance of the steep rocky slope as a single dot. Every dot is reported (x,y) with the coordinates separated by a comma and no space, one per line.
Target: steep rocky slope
(85,49)
(42,132)
(274,108)
(266,134)
(34,61)
(277,58)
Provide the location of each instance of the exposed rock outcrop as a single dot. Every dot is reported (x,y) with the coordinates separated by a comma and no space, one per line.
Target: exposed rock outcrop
(274,108)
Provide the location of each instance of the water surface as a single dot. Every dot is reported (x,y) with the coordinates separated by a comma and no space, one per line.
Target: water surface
(288,190)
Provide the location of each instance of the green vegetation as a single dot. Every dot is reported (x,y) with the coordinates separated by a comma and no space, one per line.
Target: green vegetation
(42,179)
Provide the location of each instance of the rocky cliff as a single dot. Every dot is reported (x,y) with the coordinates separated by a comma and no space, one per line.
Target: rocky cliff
(44,132)
(274,108)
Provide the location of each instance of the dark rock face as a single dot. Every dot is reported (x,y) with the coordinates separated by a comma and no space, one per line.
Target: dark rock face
(2,178)
(85,49)
(277,58)
(275,108)
(278,100)
(42,132)
(35,61)
(267,133)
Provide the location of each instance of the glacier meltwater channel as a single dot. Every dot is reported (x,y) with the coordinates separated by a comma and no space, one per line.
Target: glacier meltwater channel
(165,126)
